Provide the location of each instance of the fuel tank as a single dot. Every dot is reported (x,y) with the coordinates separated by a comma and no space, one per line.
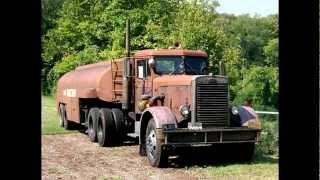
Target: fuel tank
(100,80)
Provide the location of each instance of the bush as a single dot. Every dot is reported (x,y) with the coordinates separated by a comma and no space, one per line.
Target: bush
(269,138)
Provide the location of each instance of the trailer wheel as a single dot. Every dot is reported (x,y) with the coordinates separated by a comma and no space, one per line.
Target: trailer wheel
(66,124)
(118,120)
(157,156)
(106,126)
(92,124)
(61,115)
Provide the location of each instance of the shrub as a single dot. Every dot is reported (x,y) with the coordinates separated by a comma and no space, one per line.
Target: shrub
(269,138)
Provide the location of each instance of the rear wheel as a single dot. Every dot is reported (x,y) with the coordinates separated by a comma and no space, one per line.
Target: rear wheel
(105,127)
(92,124)
(157,156)
(61,115)
(118,120)
(66,124)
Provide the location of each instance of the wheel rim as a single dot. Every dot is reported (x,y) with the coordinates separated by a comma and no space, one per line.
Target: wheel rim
(151,143)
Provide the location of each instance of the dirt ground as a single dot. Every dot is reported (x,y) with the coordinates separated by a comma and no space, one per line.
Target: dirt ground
(73,156)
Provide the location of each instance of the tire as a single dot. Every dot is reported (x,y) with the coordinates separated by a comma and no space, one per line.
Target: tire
(93,117)
(248,150)
(66,124)
(105,128)
(157,156)
(61,115)
(118,121)
(242,152)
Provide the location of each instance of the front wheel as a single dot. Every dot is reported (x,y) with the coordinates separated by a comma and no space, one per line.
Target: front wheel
(248,152)
(157,156)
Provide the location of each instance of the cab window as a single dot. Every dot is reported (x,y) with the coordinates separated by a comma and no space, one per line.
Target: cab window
(142,69)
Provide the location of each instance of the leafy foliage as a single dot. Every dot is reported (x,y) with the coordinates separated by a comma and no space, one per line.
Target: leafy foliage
(269,138)
(260,83)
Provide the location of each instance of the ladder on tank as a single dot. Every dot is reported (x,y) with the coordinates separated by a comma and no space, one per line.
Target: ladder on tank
(117,75)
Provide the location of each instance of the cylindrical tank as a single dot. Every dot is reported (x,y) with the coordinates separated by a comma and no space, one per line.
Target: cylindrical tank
(91,81)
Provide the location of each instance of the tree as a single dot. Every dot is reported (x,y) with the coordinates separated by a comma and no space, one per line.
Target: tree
(260,83)
(49,14)
(271,52)
(251,34)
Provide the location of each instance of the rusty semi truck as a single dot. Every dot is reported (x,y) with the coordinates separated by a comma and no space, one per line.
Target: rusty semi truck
(164,97)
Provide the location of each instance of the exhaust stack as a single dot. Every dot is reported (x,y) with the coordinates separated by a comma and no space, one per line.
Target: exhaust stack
(128,38)
(126,70)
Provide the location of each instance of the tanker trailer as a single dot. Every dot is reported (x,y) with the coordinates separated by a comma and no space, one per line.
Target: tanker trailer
(86,90)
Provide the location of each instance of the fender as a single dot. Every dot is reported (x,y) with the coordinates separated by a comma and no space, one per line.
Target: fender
(161,115)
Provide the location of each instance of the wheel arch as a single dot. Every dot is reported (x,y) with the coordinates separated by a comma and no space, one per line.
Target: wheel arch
(161,115)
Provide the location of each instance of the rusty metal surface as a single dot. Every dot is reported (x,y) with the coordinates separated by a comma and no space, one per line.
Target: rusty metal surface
(177,91)
(89,81)
(161,115)
(98,81)
(170,52)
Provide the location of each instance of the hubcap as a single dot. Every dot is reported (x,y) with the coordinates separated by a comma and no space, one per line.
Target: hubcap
(151,143)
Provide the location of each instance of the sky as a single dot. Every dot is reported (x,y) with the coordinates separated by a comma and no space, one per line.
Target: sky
(252,7)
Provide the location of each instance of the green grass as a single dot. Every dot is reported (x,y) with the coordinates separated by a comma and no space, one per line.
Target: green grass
(263,167)
(50,120)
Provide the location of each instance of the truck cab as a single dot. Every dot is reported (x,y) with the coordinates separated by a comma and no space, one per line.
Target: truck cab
(183,104)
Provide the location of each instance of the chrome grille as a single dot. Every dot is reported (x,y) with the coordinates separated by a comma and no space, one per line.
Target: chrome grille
(211,104)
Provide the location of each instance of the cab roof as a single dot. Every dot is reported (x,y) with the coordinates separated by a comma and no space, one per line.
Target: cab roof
(170,52)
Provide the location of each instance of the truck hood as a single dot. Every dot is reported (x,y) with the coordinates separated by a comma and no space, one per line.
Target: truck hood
(177,91)
(173,80)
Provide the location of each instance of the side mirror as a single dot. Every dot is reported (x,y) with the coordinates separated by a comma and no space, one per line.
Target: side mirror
(151,63)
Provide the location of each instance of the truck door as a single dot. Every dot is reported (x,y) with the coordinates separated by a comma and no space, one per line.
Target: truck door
(143,81)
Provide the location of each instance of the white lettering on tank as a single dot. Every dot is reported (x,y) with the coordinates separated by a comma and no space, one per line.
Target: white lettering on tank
(70,92)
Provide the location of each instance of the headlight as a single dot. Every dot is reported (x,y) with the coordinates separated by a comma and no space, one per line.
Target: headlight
(234,110)
(184,110)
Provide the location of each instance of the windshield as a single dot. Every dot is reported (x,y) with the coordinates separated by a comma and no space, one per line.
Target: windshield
(180,65)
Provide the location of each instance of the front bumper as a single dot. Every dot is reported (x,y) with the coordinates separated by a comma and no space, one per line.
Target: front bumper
(207,136)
